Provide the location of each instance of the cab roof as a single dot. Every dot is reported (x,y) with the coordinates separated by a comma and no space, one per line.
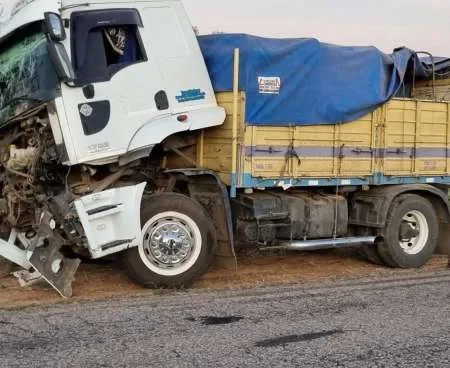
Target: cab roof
(19,13)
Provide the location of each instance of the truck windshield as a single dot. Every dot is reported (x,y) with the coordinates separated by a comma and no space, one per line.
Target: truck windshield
(27,77)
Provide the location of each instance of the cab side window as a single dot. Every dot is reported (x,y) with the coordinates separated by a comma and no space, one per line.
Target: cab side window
(104,43)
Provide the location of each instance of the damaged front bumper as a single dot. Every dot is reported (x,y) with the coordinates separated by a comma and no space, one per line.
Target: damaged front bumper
(45,262)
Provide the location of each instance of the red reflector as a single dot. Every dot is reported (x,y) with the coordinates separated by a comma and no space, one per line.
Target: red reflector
(182,118)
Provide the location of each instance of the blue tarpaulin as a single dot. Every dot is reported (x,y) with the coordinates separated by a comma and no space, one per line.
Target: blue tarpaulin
(304,81)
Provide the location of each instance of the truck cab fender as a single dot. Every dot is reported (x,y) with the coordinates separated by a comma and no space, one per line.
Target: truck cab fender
(371,208)
(157,130)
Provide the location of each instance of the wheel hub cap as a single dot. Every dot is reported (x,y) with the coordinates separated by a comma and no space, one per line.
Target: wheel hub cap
(168,242)
(414,232)
(409,231)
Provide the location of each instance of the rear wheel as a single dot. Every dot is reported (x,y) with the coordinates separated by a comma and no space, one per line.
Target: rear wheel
(411,233)
(177,244)
(370,252)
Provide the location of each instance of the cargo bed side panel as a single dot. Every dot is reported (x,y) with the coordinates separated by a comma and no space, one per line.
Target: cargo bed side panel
(404,141)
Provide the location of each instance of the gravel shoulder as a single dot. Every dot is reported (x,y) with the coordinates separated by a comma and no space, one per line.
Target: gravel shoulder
(372,321)
(105,281)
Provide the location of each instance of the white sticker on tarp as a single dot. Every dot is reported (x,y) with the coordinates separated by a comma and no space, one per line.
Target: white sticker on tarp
(269,85)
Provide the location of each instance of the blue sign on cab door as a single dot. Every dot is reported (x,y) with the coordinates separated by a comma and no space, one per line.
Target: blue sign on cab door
(191,95)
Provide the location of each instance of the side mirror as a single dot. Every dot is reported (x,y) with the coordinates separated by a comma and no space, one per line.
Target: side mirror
(54,26)
(61,62)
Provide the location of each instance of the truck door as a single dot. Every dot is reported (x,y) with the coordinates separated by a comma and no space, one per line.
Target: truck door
(118,85)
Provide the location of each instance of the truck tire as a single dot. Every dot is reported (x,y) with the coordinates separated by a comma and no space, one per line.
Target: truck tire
(411,233)
(370,252)
(177,245)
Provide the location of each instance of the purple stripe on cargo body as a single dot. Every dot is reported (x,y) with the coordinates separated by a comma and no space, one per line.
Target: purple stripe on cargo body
(395,152)
(305,151)
(351,152)
(433,152)
(419,153)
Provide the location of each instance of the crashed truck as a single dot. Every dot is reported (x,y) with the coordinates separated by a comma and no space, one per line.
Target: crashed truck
(124,134)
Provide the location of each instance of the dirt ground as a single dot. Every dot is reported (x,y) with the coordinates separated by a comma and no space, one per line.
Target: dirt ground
(107,280)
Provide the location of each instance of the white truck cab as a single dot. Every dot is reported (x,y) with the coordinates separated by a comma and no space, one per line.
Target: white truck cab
(120,77)
(122,102)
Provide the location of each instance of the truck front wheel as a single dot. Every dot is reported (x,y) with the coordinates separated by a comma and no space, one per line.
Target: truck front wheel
(177,243)
(411,233)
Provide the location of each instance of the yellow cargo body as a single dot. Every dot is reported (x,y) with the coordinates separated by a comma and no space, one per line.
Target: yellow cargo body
(404,141)
(438,90)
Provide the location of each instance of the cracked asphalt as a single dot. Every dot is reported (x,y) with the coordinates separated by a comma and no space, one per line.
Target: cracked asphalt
(372,322)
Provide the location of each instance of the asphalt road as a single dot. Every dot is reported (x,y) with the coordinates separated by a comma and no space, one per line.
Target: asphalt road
(367,323)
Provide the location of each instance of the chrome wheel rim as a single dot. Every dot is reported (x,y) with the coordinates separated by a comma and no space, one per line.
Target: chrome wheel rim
(171,243)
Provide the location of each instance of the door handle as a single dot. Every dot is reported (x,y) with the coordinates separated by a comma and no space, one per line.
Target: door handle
(161,100)
(89,91)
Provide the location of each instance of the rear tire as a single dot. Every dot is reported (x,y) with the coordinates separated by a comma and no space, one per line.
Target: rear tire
(178,243)
(411,233)
(370,252)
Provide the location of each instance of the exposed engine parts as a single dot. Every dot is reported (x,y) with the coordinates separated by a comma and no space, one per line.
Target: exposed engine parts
(38,195)
(25,149)
(20,159)
(32,175)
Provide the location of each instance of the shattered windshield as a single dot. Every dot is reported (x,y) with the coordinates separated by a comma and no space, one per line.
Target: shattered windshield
(27,77)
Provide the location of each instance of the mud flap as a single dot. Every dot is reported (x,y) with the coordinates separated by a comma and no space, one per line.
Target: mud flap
(207,189)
